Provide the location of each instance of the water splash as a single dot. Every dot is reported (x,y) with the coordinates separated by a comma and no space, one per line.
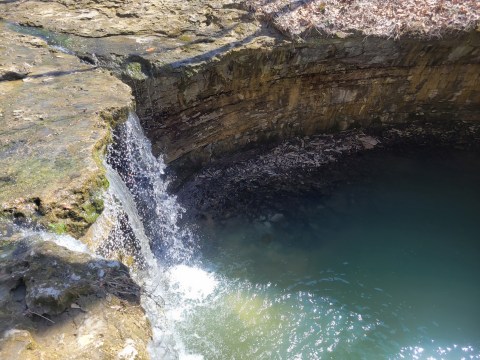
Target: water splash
(129,230)
(175,289)
(258,305)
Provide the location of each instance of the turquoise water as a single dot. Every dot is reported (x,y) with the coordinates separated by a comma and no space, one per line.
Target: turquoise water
(386,267)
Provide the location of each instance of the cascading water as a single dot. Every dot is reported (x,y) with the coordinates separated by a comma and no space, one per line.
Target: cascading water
(147,226)
(131,157)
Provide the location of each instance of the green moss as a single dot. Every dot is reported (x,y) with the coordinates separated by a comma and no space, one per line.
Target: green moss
(104,184)
(185,38)
(135,71)
(116,116)
(92,208)
(89,213)
(58,228)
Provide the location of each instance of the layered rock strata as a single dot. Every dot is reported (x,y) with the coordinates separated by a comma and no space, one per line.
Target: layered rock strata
(266,92)
(221,81)
(216,88)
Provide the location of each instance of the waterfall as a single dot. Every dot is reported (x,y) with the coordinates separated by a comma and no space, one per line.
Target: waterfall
(144,175)
(147,226)
(312,306)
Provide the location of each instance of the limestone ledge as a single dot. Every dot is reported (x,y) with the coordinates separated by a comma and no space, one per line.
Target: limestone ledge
(134,17)
(201,101)
(55,119)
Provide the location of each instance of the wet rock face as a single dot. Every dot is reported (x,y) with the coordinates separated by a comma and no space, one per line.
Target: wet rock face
(58,303)
(54,122)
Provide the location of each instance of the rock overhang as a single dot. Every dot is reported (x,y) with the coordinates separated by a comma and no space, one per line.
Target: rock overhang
(210,79)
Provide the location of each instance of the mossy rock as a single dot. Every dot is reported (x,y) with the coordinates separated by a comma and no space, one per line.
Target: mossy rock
(54,134)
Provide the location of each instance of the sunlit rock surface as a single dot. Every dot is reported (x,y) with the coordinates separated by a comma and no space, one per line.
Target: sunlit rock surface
(210,80)
(54,123)
(55,119)
(106,18)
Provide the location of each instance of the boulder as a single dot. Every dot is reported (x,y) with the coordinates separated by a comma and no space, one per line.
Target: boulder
(57,303)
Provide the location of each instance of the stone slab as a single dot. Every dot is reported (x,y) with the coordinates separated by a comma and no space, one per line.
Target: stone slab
(54,122)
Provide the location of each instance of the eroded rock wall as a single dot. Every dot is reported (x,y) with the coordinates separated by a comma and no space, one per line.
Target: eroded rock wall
(271,89)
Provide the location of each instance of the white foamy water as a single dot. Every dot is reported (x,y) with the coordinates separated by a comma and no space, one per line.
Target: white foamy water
(66,241)
(192,283)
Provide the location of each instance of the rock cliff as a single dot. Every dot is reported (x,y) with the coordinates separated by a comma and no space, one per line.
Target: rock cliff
(210,78)
(267,90)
